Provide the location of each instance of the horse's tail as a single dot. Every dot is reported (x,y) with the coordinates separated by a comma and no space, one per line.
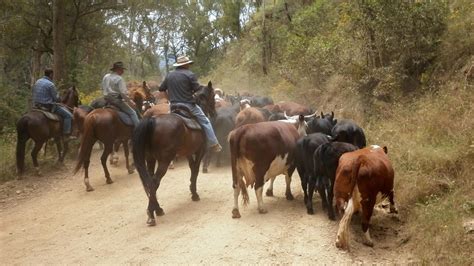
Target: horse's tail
(140,141)
(234,140)
(87,142)
(22,137)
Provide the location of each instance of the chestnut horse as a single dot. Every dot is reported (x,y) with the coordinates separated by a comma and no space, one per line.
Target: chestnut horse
(141,96)
(103,125)
(162,138)
(35,125)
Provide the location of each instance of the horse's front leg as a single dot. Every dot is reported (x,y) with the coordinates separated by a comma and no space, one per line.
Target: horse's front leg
(58,141)
(194,164)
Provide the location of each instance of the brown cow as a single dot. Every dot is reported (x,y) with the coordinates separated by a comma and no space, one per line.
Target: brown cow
(360,176)
(292,108)
(248,115)
(158,109)
(260,152)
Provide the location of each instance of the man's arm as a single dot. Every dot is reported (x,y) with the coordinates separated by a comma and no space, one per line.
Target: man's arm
(124,93)
(54,93)
(194,83)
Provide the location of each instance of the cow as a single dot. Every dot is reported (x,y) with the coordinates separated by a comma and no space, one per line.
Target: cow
(273,108)
(360,177)
(348,131)
(325,162)
(260,152)
(248,115)
(292,108)
(158,109)
(323,124)
(305,148)
(222,124)
(260,101)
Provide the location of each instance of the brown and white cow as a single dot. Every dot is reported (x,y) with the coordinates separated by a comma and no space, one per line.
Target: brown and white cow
(360,177)
(260,152)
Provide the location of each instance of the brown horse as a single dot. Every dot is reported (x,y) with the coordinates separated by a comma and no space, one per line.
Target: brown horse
(141,95)
(161,138)
(35,125)
(103,125)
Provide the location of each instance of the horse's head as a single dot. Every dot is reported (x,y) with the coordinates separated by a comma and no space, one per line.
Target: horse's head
(148,95)
(71,97)
(205,99)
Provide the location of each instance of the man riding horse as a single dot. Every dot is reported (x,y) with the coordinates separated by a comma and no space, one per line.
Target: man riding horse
(180,85)
(115,92)
(46,97)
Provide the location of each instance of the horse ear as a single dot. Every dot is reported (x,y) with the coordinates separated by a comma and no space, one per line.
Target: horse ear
(385,149)
(144,83)
(322,115)
(209,84)
(332,114)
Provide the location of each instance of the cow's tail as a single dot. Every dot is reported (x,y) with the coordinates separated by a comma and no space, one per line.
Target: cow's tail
(234,140)
(140,141)
(87,142)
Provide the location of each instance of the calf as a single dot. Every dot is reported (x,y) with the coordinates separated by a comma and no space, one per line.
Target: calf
(360,176)
(260,152)
(348,131)
(305,148)
(326,159)
(248,115)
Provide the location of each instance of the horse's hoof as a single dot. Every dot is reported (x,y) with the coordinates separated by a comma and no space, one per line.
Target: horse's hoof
(310,211)
(131,171)
(269,193)
(89,189)
(204,171)
(151,222)
(109,181)
(171,166)
(235,213)
(160,212)
(195,197)
(289,196)
(262,210)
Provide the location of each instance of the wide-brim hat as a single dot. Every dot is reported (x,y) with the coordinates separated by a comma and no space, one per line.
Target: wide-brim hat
(117,65)
(182,60)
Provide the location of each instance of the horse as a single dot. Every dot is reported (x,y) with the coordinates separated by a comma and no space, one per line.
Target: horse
(160,139)
(141,96)
(35,125)
(106,126)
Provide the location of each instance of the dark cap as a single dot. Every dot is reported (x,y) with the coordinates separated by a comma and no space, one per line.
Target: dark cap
(117,65)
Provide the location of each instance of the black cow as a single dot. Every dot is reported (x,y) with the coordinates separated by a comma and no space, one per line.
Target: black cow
(326,159)
(348,131)
(305,148)
(323,124)
(260,101)
(222,124)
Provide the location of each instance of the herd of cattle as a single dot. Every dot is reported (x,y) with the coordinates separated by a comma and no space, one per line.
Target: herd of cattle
(266,139)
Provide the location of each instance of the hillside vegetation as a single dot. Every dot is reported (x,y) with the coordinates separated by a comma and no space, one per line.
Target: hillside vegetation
(404,71)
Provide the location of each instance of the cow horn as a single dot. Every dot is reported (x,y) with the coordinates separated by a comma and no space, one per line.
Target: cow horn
(309,116)
(284,114)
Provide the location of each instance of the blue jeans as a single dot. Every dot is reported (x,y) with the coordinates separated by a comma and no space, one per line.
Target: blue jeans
(204,122)
(67,118)
(119,103)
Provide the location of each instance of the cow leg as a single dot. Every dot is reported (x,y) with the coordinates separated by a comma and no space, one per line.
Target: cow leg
(259,180)
(235,210)
(126,152)
(288,194)
(367,209)
(393,208)
(34,156)
(304,183)
(103,159)
(269,192)
(330,194)
(311,186)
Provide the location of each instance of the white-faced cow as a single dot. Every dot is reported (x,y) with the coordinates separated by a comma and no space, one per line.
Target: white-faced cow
(360,177)
(260,152)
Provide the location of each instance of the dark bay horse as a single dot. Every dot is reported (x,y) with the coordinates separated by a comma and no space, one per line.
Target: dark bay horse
(160,139)
(103,125)
(36,126)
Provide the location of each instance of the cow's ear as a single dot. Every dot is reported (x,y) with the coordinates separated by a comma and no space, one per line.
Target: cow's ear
(322,115)
(332,114)
(385,149)
(209,84)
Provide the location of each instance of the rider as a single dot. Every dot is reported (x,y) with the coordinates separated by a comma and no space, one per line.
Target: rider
(115,92)
(180,86)
(47,98)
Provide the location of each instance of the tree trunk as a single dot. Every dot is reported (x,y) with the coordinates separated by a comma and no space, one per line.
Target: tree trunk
(59,43)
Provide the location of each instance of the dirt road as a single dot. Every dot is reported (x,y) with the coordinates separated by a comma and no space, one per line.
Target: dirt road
(53,220)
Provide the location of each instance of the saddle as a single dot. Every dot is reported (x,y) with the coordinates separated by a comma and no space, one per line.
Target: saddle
(47,113)
(183,112)
(122,115)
